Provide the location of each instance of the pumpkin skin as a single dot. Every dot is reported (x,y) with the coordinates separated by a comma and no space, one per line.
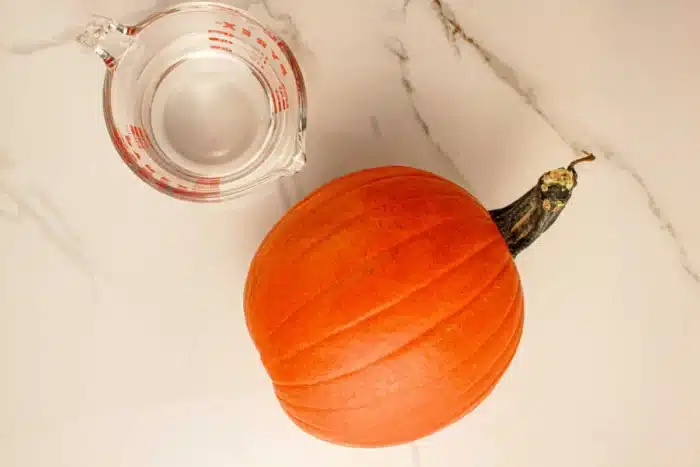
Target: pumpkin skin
(385,306)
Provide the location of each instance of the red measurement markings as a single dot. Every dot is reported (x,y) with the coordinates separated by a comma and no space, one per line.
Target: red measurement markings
(187,192)
(259,57)
(218,39)
(204,187)
(246,32)
(280,100)
(180,190)
(210,186)
(285,96)
(146,140)
(275,56)
(284,69)
(270,34)
(218,31)
(145,174)
(226,25)
(142,140)
(208,181)
(131,158)
(119,141)
(128,140)
(218,47)
(163,182)
(128,157)
(262,43)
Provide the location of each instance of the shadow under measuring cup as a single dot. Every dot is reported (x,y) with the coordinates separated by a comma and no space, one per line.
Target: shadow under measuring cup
(202,101)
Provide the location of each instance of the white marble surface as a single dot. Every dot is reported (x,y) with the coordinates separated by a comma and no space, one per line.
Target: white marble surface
(122,340)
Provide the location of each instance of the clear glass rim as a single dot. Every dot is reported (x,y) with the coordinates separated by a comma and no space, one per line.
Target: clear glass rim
(223,195)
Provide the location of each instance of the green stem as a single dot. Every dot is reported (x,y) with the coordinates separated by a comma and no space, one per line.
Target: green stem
(524,220)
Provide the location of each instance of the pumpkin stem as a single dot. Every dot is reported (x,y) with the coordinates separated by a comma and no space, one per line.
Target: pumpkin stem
(589,158)
(524,220)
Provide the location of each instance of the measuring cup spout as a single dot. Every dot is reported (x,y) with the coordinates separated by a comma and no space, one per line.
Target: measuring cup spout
(107,38)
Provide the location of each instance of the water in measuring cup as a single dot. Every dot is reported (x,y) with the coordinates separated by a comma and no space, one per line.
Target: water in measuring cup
(205,109)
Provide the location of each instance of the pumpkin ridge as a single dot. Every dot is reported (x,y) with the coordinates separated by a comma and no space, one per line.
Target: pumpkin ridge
(512,309)
(320,432)
(406,345)
(459,364)
(298,418)
(515,337)
(301,204)
(252,277)
(488,377)
(317,241)
(335,197)
(407,174)
(309,427)
(314,195)
(360,268)
(348,222)
(392,303)
(495,377)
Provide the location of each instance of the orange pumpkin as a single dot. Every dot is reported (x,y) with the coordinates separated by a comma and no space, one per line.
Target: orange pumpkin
(387,305)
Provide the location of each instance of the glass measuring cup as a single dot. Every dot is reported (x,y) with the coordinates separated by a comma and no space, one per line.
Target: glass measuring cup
(201,101)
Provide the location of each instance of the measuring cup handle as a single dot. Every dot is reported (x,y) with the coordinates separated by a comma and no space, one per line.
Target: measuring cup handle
(100,33)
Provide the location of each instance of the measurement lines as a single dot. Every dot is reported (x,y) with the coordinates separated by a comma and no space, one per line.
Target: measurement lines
(202,187)
(280,99)
(221,39)
(142,140)
(219,47)
(110,62)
